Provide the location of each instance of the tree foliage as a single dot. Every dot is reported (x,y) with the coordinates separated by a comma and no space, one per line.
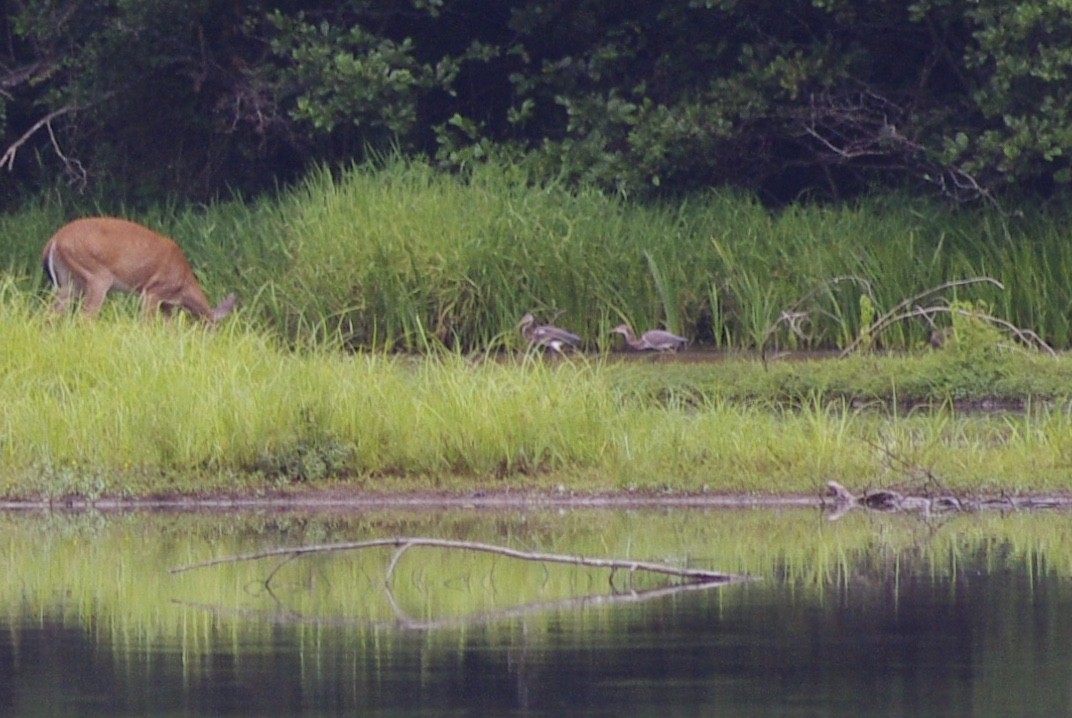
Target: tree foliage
(830,97)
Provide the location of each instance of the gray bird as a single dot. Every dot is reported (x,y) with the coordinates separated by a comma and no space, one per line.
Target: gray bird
(653,339)
(547,336)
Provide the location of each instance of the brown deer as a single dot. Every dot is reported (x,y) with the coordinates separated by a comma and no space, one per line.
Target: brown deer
(92,256)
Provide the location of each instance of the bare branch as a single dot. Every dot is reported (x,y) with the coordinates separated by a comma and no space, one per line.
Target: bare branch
(691,574)
(8,158)
(35,72)
(850,128)
(897,313)
(76,171)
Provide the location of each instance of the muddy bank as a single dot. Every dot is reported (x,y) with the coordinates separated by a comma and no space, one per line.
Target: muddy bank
(344,501)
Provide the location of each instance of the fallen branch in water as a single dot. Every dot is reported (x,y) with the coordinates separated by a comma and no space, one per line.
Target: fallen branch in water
(691,575)
(888,500)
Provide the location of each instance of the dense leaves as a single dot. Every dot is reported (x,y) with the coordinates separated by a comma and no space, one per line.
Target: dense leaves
(140,99)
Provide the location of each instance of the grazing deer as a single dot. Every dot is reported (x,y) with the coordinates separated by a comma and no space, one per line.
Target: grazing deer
(93,256)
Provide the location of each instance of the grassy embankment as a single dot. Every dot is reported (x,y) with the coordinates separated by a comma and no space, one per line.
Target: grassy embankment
(405,258)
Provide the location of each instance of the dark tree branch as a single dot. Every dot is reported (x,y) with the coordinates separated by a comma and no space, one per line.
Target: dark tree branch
(8,158)
(861,129)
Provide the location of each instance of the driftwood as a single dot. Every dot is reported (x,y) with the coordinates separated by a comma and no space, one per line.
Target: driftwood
(888,500)
(689,575)
(692,579)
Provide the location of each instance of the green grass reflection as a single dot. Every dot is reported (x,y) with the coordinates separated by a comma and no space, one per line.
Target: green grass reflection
(108,575)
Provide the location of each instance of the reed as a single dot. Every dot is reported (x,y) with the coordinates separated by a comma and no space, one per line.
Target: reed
(398,255)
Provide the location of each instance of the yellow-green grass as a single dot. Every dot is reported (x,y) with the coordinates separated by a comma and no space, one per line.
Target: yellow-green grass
(120,407)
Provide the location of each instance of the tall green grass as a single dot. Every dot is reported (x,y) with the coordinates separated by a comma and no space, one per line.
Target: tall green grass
(397,255)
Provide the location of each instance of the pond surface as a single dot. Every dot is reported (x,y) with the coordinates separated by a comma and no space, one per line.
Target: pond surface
(871,615)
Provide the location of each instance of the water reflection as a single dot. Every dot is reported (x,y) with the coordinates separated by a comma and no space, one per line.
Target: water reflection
(873,615)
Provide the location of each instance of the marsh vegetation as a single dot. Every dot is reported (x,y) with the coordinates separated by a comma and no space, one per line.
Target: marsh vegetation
(123,408)
(376,347)
(397,255)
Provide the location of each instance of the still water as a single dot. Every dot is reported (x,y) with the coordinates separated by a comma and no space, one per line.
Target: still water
(870,615)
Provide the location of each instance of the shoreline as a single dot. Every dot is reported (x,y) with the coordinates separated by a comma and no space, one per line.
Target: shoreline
(356,501)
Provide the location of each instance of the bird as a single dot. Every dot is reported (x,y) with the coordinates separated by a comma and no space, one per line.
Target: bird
(547,336)
(653,339)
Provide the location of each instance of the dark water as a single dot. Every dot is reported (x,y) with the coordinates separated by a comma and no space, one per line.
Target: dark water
(988,638)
